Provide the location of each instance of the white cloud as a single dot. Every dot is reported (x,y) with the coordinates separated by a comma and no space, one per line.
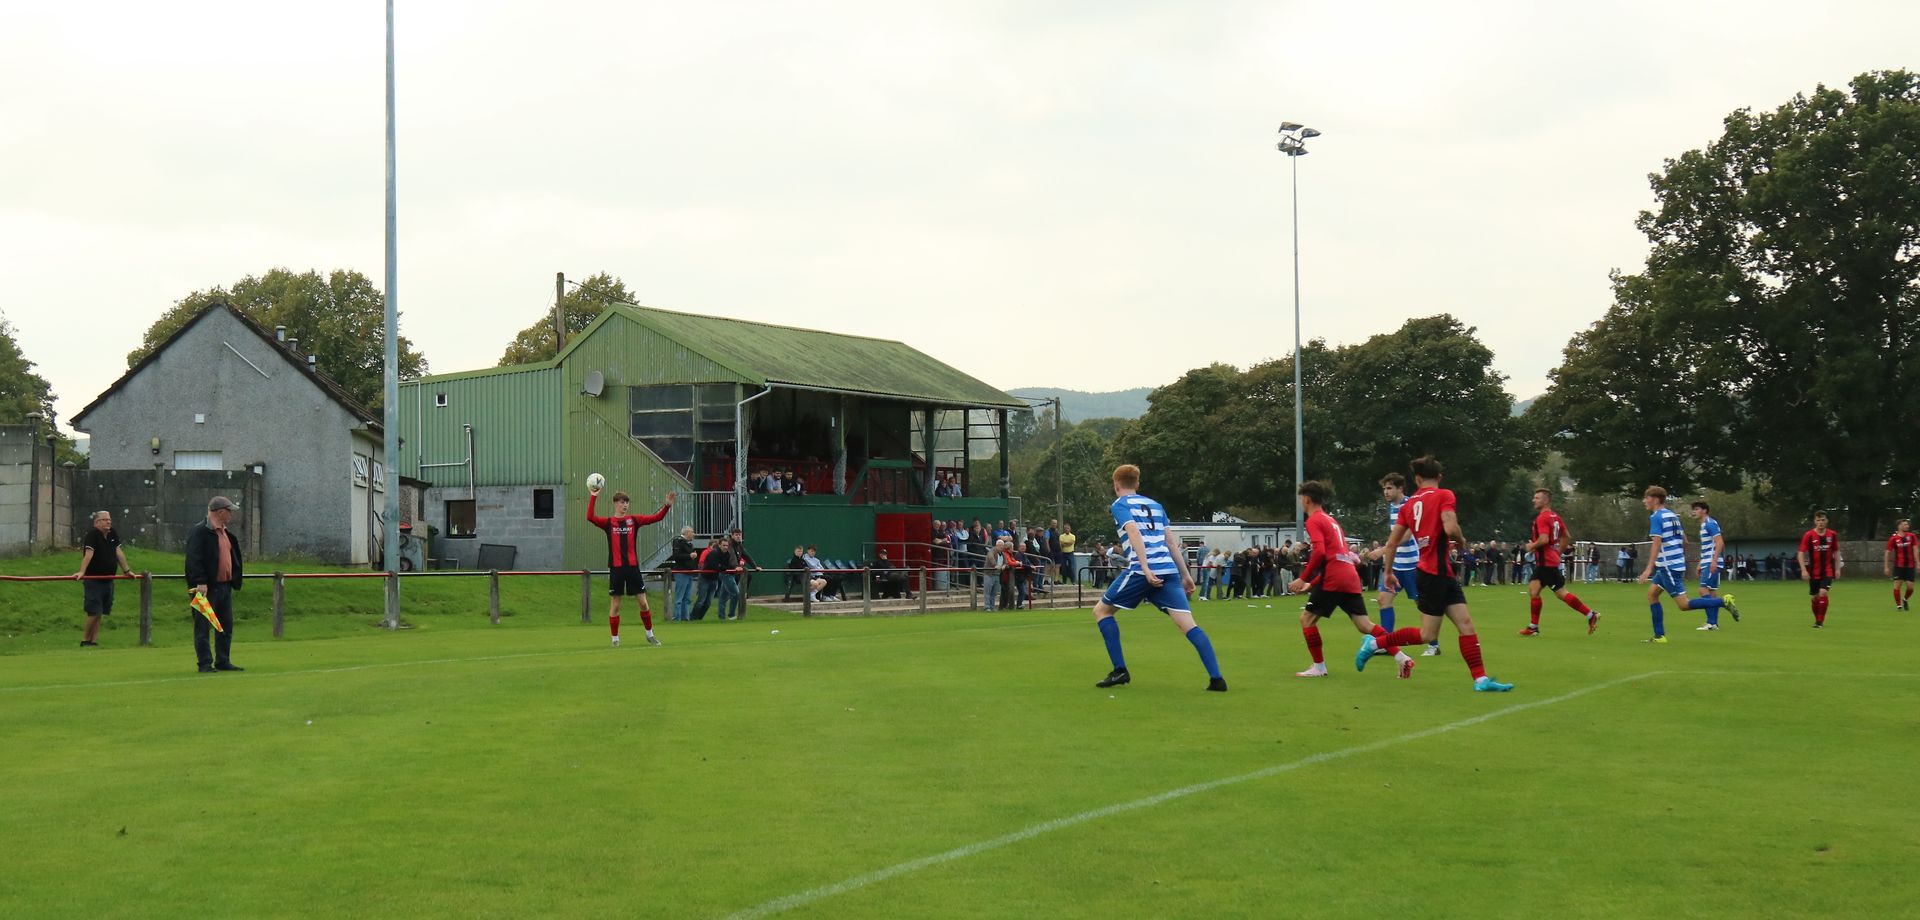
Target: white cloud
(1010,187)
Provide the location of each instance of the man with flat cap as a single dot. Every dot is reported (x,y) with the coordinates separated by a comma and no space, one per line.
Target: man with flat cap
(213,569)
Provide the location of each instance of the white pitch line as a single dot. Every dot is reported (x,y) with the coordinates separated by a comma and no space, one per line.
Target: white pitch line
(34,688)
(1046,827)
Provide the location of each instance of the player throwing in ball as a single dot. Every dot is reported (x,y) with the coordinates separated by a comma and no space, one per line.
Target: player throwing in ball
(623,556)
(1332,574)
(1550,537)
(1152,567)
(1432,517)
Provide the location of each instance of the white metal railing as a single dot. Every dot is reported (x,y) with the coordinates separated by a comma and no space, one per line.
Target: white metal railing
(710,514)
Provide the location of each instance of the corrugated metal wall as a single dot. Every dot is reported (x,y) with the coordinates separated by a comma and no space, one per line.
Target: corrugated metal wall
(597,430)
(517,427)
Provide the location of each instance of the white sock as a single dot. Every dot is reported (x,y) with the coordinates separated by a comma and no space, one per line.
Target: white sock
(1402,656)
(649,633)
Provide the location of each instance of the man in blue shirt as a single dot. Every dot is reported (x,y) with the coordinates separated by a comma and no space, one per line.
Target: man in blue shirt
(1667,564)
(1153,564)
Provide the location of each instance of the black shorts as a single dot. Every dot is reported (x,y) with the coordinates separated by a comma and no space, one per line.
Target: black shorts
(1903,574)
(1549,577)
(1438,592)
(1323,603)
(627,580)
(97,597)
(1816,585)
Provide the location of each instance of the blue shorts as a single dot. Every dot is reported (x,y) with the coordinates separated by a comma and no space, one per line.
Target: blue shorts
(1672,581)
(1409,582)
(1132,588)
(1709,580)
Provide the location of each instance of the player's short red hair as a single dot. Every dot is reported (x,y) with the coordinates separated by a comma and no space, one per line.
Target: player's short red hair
(1126,476)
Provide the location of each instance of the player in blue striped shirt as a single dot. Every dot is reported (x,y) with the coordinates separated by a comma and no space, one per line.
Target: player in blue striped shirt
(1667,563)
(1406,558)
(1713,552)
(1156,573)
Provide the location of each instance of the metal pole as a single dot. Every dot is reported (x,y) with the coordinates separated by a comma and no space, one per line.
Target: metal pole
(279,604)
(390,416)
(393,600)
(1299,429)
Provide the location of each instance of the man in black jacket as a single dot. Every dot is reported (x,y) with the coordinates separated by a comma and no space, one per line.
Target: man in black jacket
(685,559)
(213,569)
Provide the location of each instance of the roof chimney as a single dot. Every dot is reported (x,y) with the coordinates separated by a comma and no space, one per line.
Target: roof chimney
(293,345)
(279,333)
(311,362)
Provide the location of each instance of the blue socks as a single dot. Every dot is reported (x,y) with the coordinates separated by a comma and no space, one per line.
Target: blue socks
(1659,619)
(1110,631)
(1386,618)
(1712,605)
(1196,635)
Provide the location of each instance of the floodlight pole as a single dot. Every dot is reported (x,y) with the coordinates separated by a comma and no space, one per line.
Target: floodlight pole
(390,423)
(1293,143)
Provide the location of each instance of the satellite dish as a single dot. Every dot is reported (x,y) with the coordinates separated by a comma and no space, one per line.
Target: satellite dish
(595,384)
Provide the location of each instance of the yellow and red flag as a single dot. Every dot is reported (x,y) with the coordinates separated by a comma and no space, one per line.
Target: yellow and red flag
(200,606)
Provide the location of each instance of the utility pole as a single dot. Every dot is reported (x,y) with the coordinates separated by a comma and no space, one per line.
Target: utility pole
(559,312)
(1059,467)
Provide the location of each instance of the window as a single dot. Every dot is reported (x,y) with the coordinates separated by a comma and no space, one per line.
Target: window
(360,462)
(460,518)
(197,460)
(379,476)
(440,400)
(670,419)
(543,504)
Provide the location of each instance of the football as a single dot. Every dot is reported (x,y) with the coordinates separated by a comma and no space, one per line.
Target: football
(596,482)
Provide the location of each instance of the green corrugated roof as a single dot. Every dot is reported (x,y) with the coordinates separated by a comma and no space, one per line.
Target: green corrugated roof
(808,357)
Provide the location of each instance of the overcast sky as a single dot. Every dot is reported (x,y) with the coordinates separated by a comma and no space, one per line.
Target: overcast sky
(1082,195)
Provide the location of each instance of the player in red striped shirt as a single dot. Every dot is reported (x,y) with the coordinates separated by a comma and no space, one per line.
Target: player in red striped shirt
(1335,581)
(1550,536)
(1819,565)
(623,558)
(1432,517)
(1899,563)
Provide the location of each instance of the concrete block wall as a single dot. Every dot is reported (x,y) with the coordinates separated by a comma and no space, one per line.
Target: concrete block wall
(502,515)
(154,509)
(33,492)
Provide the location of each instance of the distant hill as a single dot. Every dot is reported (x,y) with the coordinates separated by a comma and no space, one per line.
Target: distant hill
(1078,406)
(1520,406)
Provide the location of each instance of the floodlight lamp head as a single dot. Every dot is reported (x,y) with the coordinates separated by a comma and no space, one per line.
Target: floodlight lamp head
(1309,132)
(1289,126)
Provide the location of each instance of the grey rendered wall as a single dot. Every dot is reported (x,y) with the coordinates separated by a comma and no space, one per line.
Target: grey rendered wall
(502,514)
(279,418)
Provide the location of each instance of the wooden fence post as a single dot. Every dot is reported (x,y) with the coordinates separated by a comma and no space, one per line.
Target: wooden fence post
(146,608)
(279,604)
(586,597)
(493,596)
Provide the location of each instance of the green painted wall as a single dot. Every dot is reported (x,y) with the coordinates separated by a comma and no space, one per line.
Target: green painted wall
(516,427)
(596,430)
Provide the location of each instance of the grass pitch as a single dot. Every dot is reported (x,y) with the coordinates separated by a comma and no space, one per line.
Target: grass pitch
(961,765)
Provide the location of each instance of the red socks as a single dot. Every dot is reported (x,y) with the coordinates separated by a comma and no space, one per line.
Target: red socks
(1533,608)
(646,619)
(613,623)
(1470,651)
(1820,609)
(1405,635)
(1379,638)
(1313,642)
(1574,602)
